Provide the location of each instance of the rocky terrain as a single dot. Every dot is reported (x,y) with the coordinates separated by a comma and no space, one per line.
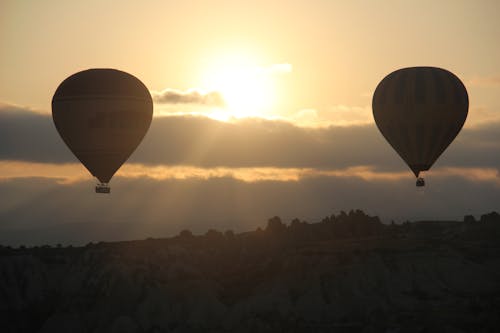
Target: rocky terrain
(347,273)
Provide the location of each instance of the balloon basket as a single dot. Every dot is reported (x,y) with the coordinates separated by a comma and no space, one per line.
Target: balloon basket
(102,188)
(420,182)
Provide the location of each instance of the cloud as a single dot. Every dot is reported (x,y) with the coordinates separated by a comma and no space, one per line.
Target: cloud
(236,175)
(484,81)
(259,143)
(307,117)
(343,115)
(30,136)
(477,146)
(72,172)
(203,142)
(337,115)
(249,143)
(481,116)
(41,210)
(192,96)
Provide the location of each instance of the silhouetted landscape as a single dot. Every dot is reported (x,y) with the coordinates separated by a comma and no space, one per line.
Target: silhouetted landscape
(347,273)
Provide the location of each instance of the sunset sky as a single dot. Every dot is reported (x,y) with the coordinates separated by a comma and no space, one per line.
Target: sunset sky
(262,108)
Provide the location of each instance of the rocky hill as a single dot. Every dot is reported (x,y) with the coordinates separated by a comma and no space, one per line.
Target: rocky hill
(347,273)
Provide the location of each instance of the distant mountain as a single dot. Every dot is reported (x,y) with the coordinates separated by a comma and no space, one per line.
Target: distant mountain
(347,273)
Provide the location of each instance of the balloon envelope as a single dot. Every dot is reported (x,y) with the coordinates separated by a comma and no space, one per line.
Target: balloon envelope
(419,111)
(102,116)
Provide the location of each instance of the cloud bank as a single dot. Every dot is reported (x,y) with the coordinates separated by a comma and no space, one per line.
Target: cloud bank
(485,81)
(40,210)
(336,115)
(192,96)
(197,173)
(249,143)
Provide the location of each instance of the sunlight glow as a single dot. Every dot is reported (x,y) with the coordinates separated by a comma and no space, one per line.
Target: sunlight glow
(73,173)
(248,88)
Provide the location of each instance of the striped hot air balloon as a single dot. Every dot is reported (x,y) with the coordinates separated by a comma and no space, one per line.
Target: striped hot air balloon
(102,115)
(419,111)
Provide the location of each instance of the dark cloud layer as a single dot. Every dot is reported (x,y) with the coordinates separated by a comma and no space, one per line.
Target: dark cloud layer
(172,96)
(258,143)
(204,142)
(40,211)
(475,148)
(30,136)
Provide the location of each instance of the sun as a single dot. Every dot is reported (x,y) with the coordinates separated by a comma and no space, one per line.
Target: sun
(248,88)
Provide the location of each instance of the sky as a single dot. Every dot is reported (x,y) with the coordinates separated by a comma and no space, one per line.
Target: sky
(261,108)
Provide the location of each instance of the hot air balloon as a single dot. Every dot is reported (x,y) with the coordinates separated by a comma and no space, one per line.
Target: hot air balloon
(102,115)
(419,111)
